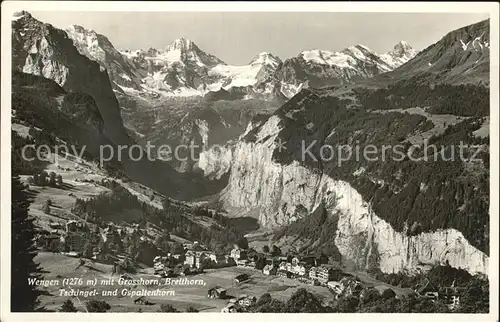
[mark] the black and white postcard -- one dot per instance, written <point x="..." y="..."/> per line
<point x="286" y="157"/>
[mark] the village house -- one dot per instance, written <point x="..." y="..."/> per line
<point x="269" y="270"/>
<point x="194" y="259"/>
<point x="217" y="292"/>
<point x="141" y="300"/>
<point x="238" y="253"/>
<point x="190" y="258"/>
<point x="454" y="302"/>
<point x="284" y="270"/>
<point x="159" y="264"/>
<point x="313" y="273"/>
<point x="350" y="286"/>
<point x="217" y="258"/>
<point x="176" y="257"/>
<point x="167" y="261"/>
<point x="335" y="286"/>
<point x="273" y="261"/>
<point x="246" y="301"/>
<point x="230" y="308"/>
<point x="451" y="295"/>
<point x="210" y="255"/>
<point x="300" y="269"/>
<point x="241" y="278"/>
<point x="71" y="226"/>
<point x="325" y="273"/>
<point x="74" y="241"/>
<point x="427" y="290"/>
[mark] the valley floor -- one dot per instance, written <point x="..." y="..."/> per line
<point x="59" y="267"/>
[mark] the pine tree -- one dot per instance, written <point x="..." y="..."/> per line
<point x="68" y="306"/>
<point x="97" y="306"/>
<point x="24" y="297"/>
<point x="88" y="251"/>
<point x="43" y="178"/>
<point x="46" y="208"/>
<point x="52" y="179"/>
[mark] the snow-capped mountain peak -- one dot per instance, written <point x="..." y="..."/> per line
<point x="91" y="44"/>
<point x="181" y="68"/>
<point x="265" y="58"/>
<point x="350" y="57"/>
<point x="183" y="44"/>
<point x="98" y="48"/>
<point x="20" y="14"/>
<point x="359" y="51"/>
<point x="400" y="54"/>
<point x="80" y="29"/>
<point x="321" y="67"/>
<point x="185" y="51"/>
<point x="402" y="49"/>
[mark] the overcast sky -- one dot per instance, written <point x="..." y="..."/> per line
<point x="236" y="37"/>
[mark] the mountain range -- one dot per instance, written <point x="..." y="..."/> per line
<point x="42" y="50"/>
<point x="393" y="216"/>
<point x="183" y="69"/>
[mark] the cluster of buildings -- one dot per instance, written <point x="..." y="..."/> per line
<point x="307" y="269"/>
<point x="236" y="304"/>
<point x="450" y="295"/>
<point x="345" y="286"/>
<point x="73" y="236"/>
<point x="194" y="258"/>
<point x="68" y="238"/>
<point x="205" y="259"/>
<point x="239" y="304"/>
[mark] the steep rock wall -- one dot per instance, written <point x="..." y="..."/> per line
<point x="257" y="181"/>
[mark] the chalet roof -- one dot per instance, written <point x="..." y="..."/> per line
<point x="218" y="289"/>
<point x="426" y="286"/>
<point x="242" y="275"/>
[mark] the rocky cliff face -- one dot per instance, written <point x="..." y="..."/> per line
<point x="279" y="190"/>
<point x="376" y="207"/>
<point x="41" y="49"/>
<point x="73" y="117"/>
<point x="316" y="68"/>
<point x="121" y="71"/>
